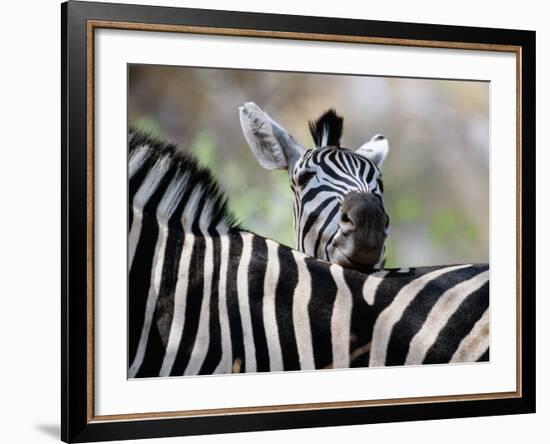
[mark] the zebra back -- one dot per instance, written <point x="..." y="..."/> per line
<point x="207" y="297"/>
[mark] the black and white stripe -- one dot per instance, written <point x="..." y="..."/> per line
<point x="338" y="208"/>
<point x="208" y="297"/>
<point x="317" y="202"/>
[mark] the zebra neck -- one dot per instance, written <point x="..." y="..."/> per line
<point x="239" y="302"/>
<point x="276" y="307"/>
<point x="169" y="190"/>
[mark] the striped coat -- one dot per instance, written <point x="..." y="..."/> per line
<point x="206" y="296"/>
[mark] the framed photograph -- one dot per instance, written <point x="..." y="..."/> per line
<point x="275" y="221"/>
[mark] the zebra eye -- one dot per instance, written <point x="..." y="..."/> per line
<point x="305" y="177"/>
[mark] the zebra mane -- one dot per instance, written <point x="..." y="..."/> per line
<point x="327" y="129"/>
<point x="191" y="196"/>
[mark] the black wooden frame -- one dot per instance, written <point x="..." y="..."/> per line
<point x="76" y="424"/>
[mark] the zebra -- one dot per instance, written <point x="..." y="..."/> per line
<point x="206" y="296"/>
<point x="339" y="213"/>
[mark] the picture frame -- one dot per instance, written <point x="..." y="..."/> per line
<point x="79" y="181"/>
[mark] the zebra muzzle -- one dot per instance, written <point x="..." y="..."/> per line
<point x="362" y="226"/>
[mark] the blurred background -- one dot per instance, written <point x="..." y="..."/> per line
<point x="436" y="176"/>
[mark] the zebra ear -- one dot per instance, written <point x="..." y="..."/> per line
<point x="375" y="149"/>
<point x="272" y="145"/>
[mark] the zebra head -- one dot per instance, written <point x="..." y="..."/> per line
<point x="339" y="214"/>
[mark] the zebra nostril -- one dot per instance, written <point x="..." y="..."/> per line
<point x="345" y="219"/>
